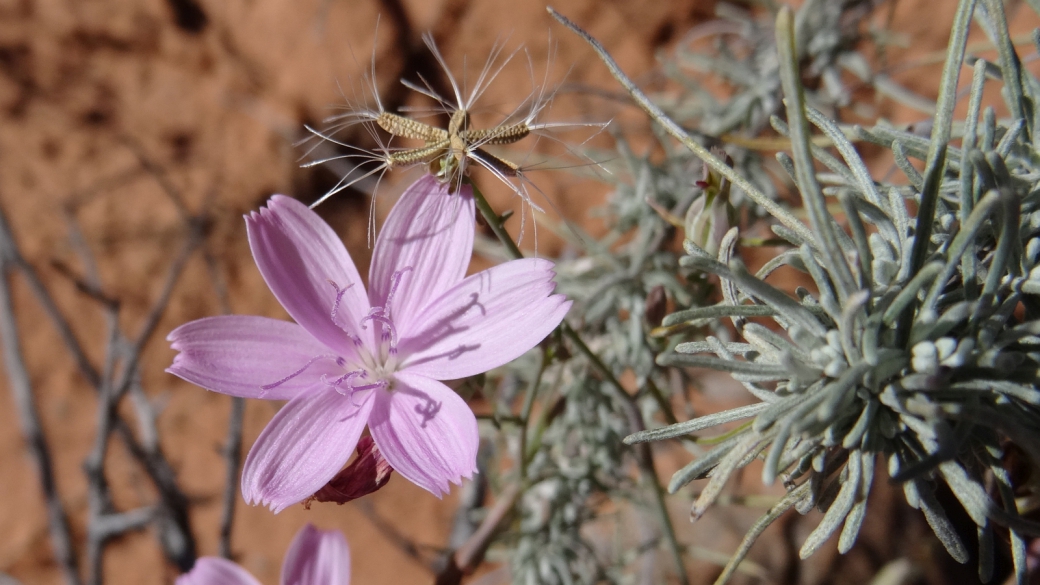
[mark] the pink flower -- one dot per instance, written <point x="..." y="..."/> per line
<point x="315" y="557"/>
<point x="353" y="358"/>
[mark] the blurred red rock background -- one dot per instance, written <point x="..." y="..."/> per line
<point x="111" y="111"/>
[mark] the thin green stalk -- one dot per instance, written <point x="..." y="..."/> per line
<point x="525" y="413"/>
<point x="786" y="503"/>
<point x="535" y="441"/>
<point x="496" y="222"/>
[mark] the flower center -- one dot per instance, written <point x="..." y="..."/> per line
<point x="376" y="365"/>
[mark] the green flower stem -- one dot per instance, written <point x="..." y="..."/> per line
<point x="496" y="222"/>
<point x="525" y="414"/>
<point x="627" y="402"/>
<point x="548" y="414"/>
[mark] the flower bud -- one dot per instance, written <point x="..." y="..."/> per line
<point x="708" y="218"/>
<point x="365" y="474"/>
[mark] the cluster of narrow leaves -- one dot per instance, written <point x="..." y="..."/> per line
<point x="918" y="353"/>
<point x="921" y="350"/>
<point x="739" y="49"/>
<point x="574" y="459"/>
<point x="620" y="284"/>
<point x="580" y="459"/>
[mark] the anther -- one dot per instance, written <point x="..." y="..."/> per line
<point x="389" y="331"/>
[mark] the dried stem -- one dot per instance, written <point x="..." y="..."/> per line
<point x="151" y="459"/>
<point x="120" y="375"/>
<point x="233" y="456"/>
<point x="32" y="431"/>
<point x="233" y="443"/>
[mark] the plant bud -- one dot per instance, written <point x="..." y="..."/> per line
<point x="708" y="218"/>
<point x="365" y="474"/>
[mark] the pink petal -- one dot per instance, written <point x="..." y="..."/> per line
<point x="429" y="235"/>
<point x="304" y="263"/>
<point x="239" y="355"/>
<point x="488" y="320"/>
<point x="426" y="432"/>
<point x="303" y="447"/>
<point x="216" y="571"/>
<point x="317" y="557"/>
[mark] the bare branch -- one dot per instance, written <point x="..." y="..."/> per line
<point x="32" y="431"/>
<point x="159" y="173"/>
<point x="233" y="443"/>
<point x="106" y="526"/>
<point x="14" y="259"/>
<point x="233" y="455"/>
<point x="98" y="501"/>
<point x="115" y="524"/>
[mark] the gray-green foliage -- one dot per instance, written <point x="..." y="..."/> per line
<point x="921" y="350"/>
<point x="579" y="458"/>
<point x="571" y="459"/>
<point x="743" y="56"/>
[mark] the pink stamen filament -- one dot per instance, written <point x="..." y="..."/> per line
<point x="395" y="280"/>
<point x="339" y="297"/>
<point x="349" y="378"/>
<point x="335" y="309"/>
<point x="267" y="387"/>
<point x="379" y="384"/>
